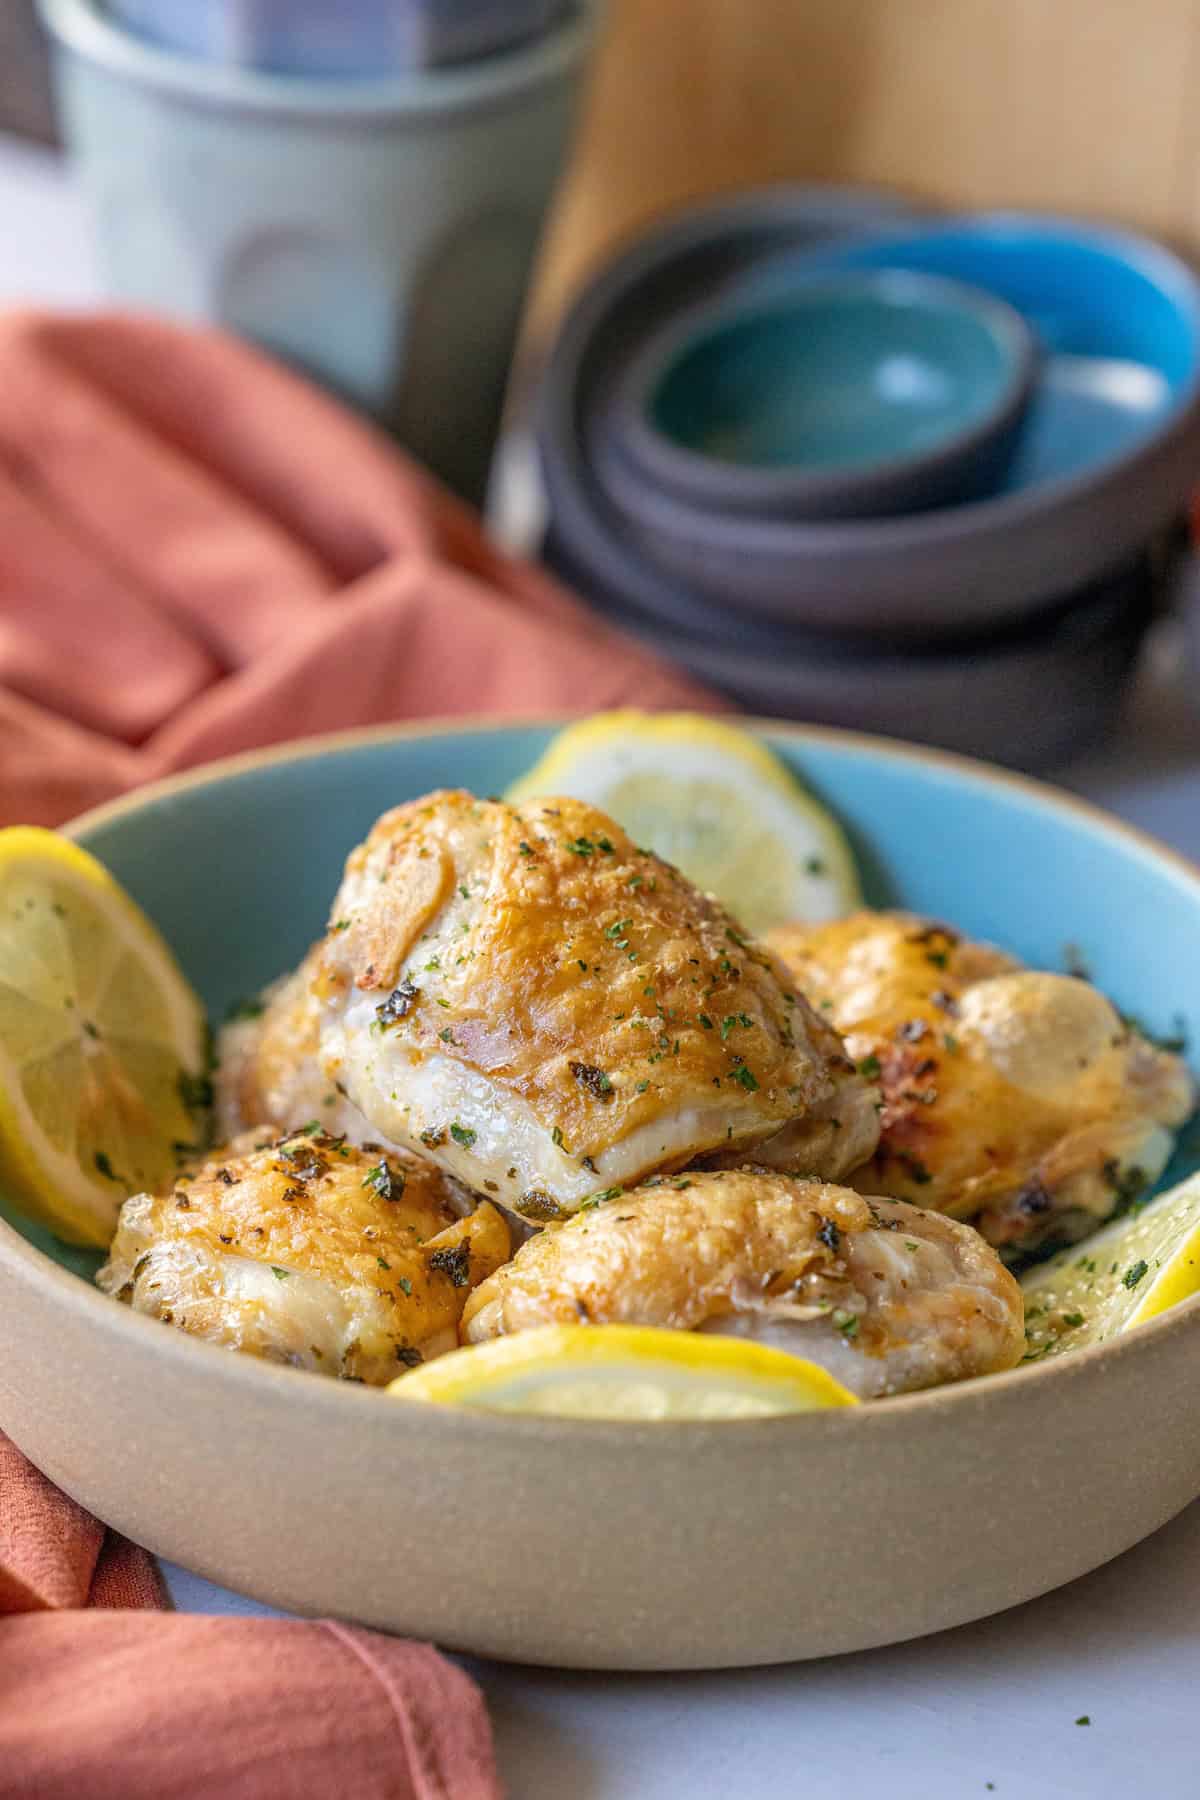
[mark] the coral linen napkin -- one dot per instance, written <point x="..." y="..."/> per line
<point x="123" y="1702"/>
<point x="201" y="554"/>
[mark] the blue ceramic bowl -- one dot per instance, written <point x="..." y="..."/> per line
<point x="319" y="1495"/>
<point x="851" y="395"/>
<point x="1109" y="453"/>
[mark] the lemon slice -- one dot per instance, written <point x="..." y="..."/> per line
<point x="625" y="1372"/>
<point x="715" y="802"/>
<point x="1119" y="1278"/>
<point x="102" y="1041"/>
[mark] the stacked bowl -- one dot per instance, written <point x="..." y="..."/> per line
<point x="860" y="465"/>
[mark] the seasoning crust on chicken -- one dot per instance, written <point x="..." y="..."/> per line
<point x="1014" y="1098"/>
<point x="885" y="1296"/>
<point x="268" y="1071"/>
<point x="548" y="1010"/>
<point x="309" y="1252"/>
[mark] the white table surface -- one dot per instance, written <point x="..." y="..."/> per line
<point x="990" y="1707"/>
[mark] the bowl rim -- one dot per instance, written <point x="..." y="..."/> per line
<point x="695" y="476"/>
<point x="81" y="27"/>
<point x="22" y="1261"/>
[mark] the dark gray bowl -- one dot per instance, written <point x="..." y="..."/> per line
<point x="950" y="571"/>
<point x="1029" y="697"/>
<point x="856" y="394"/>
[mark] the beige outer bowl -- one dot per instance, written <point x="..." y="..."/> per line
<point x="599" y="1546"/>
<point x="591" y="1545"/>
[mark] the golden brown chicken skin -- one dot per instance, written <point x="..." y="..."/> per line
<point x="309" y="1252"/>
<point x="1014" y="1098"/>
<point x="885" y="1296"/>
<point x="548" y="1010"/>
<point x="268" y="1071"/>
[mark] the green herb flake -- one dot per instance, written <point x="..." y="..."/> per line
<point x="462" y="1134"/>
<point x="556" y="1136"/>
<point x="404" y="1284"/>
<point x="1134" y="1274"/>
<point x="869" y="1068"/>
<point x="382" y="1264"/>
<point x="278" y="1273"/>
<point x="745" y="1079"/>
<point x="731" y="1021"/>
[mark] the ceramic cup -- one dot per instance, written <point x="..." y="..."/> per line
<point x="377" y="233"/>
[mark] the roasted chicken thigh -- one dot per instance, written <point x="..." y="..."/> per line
<point x="306" y="1251"/>
<point x="1014" y="1098"/>
<point x="885" y="1296"/>
<point x="549" y="1011"/>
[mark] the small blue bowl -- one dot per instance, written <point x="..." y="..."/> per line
<point x="854" y="395"/>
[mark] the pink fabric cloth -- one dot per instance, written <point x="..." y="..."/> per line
<point x="201" y="554"/>
<point x="104" y="1695"/>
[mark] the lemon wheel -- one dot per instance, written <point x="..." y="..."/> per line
<point x="624" y="1372"/>
<point x="714" y="801"/>
<point x="102" y="1041"/>
<point x="1131" y="1272"/>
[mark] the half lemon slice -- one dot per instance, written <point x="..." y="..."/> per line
<point x="1124" y="1275"/>
<point x="102" y="1041"/>
<point x="631" y="1372"/>
<point x="714" y="801"/>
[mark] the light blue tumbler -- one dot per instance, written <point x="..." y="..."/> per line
<point x="375" y="229"/>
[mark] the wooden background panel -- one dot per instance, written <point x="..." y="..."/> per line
<point x="1086" y="105"/>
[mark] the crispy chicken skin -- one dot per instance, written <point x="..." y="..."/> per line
<point x="885" y="1296"/>
<point x="309" y="1252"/>
<point x="267" y="1069"/>
<point x="1017" y="1099"/>
<point x="549" y="1011"/>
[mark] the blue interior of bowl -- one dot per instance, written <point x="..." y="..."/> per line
<point x="1117" y="319"/>
<point x="844" y="376"/>
<point x="239" y="872"/>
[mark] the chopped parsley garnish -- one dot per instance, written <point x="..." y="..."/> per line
<point x="950" y="1042"/>
<point x="556" y="1136"/>
<point x="581" y="846"/>
<point x="454" y="1262"/>
<point x="641" y="1087"/>
<point x="341" y="925"/>
<point x="829" y="1235"/>
<point x="524" y="848"/>
<point x="594" y="1080"/>
<point x="399" y="1003"/>
<point x="1073" y="1319"/>
<point x="599" y="1198"/>
<point x="1084" y="1719"/>
<point x="278" y="1273"/>
<point x="387" y="1182"/>
<point x="464" y="890"/>
<point x="1134" y="1273"/>
<point x="846" y="1322"/>
<point x="730" y="1021"/>
<point x="619" y="929"/>
<point x="446" y="1035"/>
<point x="815" y="865"/>
<point x="462" y="1134"/>
<point x="870" y="1067"/>
<point x="382" y="1263"/>
<point x="745" y="1079"/>
<point x="404" y="1284"/>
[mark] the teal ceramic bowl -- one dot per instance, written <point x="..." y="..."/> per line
<point x="593" y="1544"/>
<point x="853" y="395"/>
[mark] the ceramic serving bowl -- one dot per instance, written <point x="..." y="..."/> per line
<point x="592" y="1544"/>
<point x="1028" y="696"/>
<point x="847" y="395"/>
<point x="1106" y="458"/>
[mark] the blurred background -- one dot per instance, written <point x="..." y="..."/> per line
<point x="458" y="215"/>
